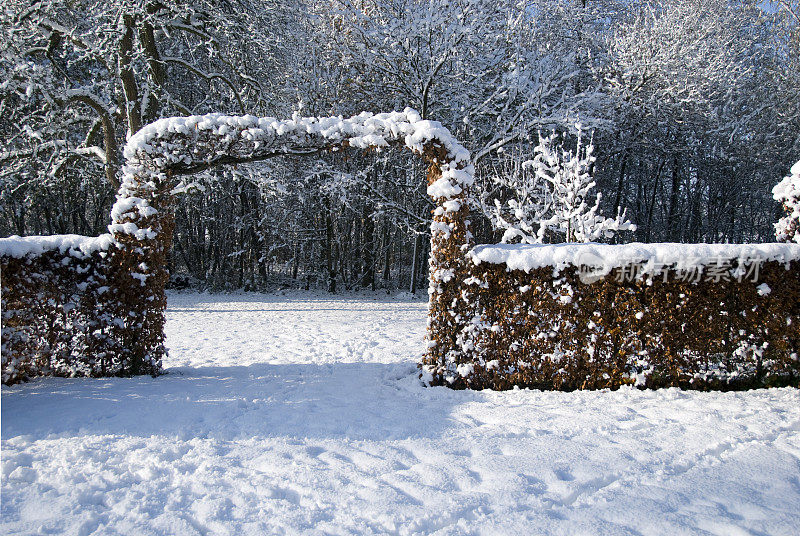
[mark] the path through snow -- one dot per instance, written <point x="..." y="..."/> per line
<point x="303" y="415"/>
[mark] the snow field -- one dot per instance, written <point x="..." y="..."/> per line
<point x="302" y="414"/>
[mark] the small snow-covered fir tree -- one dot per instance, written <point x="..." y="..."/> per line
<point x="529" y="200"/>
<point x="551" y="197"/>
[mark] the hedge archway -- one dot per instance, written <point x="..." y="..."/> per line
<point x="161" y="155"/>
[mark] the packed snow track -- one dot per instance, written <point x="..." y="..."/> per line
<point x="302" y="414"/>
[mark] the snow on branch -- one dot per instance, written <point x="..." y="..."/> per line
<point x="787" y="192"/>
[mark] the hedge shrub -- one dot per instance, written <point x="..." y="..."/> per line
<point x="550" y="328"/>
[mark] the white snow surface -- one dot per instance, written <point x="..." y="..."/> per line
<point x="606" y="257"/>
<point x="302" y="414"/>
<point x="21" y="246"/>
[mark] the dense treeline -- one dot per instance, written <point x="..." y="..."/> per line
<point x="694" y="105"/>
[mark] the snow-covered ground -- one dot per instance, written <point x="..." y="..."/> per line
<point x="303" y="415"/>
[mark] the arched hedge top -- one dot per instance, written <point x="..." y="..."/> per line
<point x="168" y="148"/>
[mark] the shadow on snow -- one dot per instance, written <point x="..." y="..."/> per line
<point x="361" y="401"/>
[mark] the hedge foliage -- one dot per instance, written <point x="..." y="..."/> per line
<point x="71" y="314"/>
<point x="547" y="329"/>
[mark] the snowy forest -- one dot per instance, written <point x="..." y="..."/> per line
<point x="692" y="108"/>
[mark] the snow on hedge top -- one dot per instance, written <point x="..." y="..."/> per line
<point x="183" y="143"/>
<point x="787" y="192"/>
<point x="77" y="245"/>
<point x="606" y="257"/>
<point x="361" y="131"/>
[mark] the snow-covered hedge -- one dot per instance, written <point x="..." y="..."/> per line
<point x="95" y="306"/>
<point x="576" y="316"/>
<point x="63" y="312"/>
<point x="541" y="316"/>
<point x="601" y="259"/>
<point x="160" y="157"/>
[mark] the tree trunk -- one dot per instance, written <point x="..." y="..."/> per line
<point x="329" y="249"/>
<point x="620" y="181"/>
<point x="367" y="243"/>
<point x="673" y="218"/>
<point x="650" y="208"/>
<point x="415" y="262"/>
<point x="387" y="253"/>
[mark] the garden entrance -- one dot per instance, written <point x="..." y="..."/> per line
<point x="95" y="305"/>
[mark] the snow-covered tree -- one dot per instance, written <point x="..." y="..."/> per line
<point x="551" y="197"/>
<point x="77" y="78"/>
<point x="527" y="199"/>
<point x="703" y="92"/>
